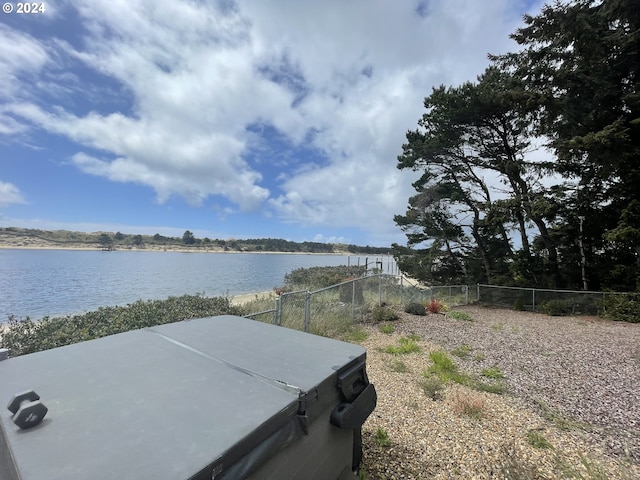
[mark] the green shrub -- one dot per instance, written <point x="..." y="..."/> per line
<point x="321" y="277"/>
<point x="383" y="314"/>
<point x="28" y="336"/>
<point x="519" y="305"/>
<point x="623" y="308"/>
<point x="415" y="308"/>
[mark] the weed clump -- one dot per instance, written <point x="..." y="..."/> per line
<point x="387" y="328"/>
<point x="432" y="387"/>
<point x="383" y="314"/>
<point x="382" y="437"/>
<point x="458" y="315"/>
<point x="462" y="351"/>
<point x="406" y="345"/>
<point x="537" y="440"/>
<point x="493" y="372"/>
<point x="444" y="368"/>
<point x="469" y="404"/>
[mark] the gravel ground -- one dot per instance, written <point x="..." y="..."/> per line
<point x="572" y="381"/>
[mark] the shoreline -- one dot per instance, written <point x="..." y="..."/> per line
<point x="172" y="249"/>
<point x="244" y="298"/>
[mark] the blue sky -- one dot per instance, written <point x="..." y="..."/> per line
<point x="233" y="119"/>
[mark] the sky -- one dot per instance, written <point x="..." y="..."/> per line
<point x="231" y="119"/>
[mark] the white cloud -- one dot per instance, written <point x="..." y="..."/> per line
<point x="10" y="194"/>
<point x="200" y="73"/>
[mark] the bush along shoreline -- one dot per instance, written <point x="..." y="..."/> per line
<point x="23" y="336"/>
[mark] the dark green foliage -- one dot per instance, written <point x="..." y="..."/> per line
<point x="28" y="336"/>
<point x="415" y="308"/>
<point x="575" y="82"/>
<point x="518" y="306"/>
<point x="320" y="277"/>
<point x="188" y="238"/>
<point x="383" y="314"/>
<point x="624" y="308"/>
<point x="105" y="241"/>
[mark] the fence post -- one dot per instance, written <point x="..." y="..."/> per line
<point x="533" y="298"/>
<point x="353" y="300"/>
<point x="277" y="312"/>
<point x="466" y="295"/>
<point x="478" y="292"/>
<point x="380" y="290"/>
<point x="307" y="311"/>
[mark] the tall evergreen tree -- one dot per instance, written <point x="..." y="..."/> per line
<point x="580" y="64"/>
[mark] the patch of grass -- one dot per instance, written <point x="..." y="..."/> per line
<point x="406" y="346"/>
<point x="537" y="440"/>
<point x="478" y="357"/>
<point x="462" y="351"/>
<point x="497" y="327"/>
<point x="458" y="315"/>
<point x="493" y="372"/>
<point x="445" y="368"/>
<point x="355" y="334"/>
<point x="387" y="328"/>
<point x="382" y="437"/>
<point x="398" y="366"/>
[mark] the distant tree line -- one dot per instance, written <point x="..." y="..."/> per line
<point x="485" y="209"/>
<point x="111" y="241"/>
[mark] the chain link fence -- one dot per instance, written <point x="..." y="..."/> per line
<point x="328" y="309"/>
<point x="552" y="302"/>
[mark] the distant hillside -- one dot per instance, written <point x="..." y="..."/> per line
<point x="13" y="237"/>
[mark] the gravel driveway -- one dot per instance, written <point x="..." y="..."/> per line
<point x="574" y="381"/>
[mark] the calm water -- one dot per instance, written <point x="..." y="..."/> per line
<point x="37" y="283"/>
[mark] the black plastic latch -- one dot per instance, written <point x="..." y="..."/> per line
<point x="352" y="415"/>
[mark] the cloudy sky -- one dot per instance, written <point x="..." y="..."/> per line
<point x="233" y="119"/>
